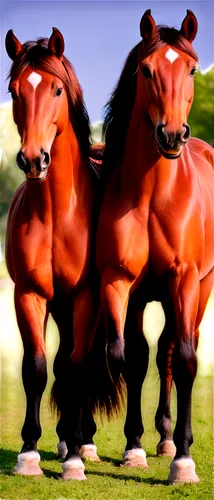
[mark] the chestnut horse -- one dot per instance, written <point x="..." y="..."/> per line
<point x="51" y="227"/>
<point x="155" y="232"/>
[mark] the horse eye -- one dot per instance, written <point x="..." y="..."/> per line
<point x="59" y="91"/>
<point x="192" y="72"/>
<point x="146" y="72"/>
<point x="13" y="95"/>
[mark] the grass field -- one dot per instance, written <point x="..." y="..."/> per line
<point x="105" y="480"/>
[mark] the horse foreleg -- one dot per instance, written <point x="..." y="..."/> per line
<point x="31" y="311"/>
<point x="185" y="290"/>
<point x="114" y="295"/>
<point x="136" y="364"/>
<point x="166" y="445"/>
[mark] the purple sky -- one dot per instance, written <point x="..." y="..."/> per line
<point x="98" y="36"/>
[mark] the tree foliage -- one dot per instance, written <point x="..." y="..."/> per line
<point x="201" y="121"/>
<point x="10" y="175"/>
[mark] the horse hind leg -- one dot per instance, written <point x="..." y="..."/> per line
<point x="57" y="396"/>
<point x="31" y="313"/>
<point x="166" y="445"/>
<point x="84" y="321"/>
<point x="88" y="450"/>
<point x="59" y="309"/>
<point x="136" y="364"/>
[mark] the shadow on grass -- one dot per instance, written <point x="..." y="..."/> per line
<point x="117" y="461"/>
<point x="114" y="461"/>
<point x="51" y="474"/>
<point x="8" y="460"/>
<point x="123" y="477"/>
<point x="48" y="455"/>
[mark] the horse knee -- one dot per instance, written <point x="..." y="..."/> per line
<point x="184" y="362"/>
<point x="34" y="371"/>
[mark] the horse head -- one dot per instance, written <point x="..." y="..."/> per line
<point x="40" y="104"/>
<point x="167" y="63"/>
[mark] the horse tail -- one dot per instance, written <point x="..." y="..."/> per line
<point x="107" y="385"/>
<point x="55" y="399"/>
<point x="58" y="392"/>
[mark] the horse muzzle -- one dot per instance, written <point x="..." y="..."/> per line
<point x="170" y="144"/>
<point x="36" y="168"/>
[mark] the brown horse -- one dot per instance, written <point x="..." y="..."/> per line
<point x="155" y="233"/>
<point x="51" y="226"/>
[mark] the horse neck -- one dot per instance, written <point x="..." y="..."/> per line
<point x="142" y="159"/>
<point x="64" y="179"/>
<point x="66" y="165"/>
<point x="140" y="141"/>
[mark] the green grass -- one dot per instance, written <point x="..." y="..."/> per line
<point x="106" y="480"/>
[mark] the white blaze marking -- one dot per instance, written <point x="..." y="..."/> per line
<point x="34" y="79"/>
<point x="171" y="55"/>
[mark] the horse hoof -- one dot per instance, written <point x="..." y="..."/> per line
<point x="89" y="452"/>
<point x="135" y="458"/>
<point x="166" y="448"/>
<point x="73" y="469"/>
<point x="182" y="470"/>
<point x="28" y="464"/>
<point x="62" y="449"/>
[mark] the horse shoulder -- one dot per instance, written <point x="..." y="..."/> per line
<point x="28" y="247"/>
<point x="16" y="199"/>
<point x="15" y="203"/>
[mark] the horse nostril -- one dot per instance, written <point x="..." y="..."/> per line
<point x="161" y="134"/>
<point x="21" y="160"/>
<point x="186" y="134"/>
<point x="46" y="157"/>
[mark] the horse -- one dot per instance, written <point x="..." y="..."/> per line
<point x="157" y="216"/>
<point x="49" y="248"/>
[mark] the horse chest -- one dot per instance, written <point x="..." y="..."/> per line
<point x="70" y="252"/>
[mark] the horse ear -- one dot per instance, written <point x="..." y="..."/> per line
<point x="147" y="25"/>
<point x="13" y="45"/>
<point x="56" y="43"/>
<point x="189" y="26"/>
